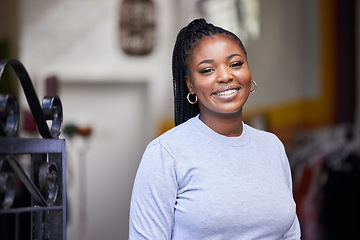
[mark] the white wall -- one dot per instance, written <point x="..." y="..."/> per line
<point x="78" y="39"/>
<point x="284" y="60"/>
<point x="101" y="168"/>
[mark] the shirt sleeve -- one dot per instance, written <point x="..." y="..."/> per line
<point x="294" y="233"/>
<point x="154" y="196"/>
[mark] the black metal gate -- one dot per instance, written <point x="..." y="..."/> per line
<point x="32" y="170"/>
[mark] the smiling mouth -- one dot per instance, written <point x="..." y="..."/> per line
<point x="226" y="93"/>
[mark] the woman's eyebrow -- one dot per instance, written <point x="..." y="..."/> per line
<point x="211" y="60"/>
<point x="206" y="61"/>
<point x="233" y="55"/>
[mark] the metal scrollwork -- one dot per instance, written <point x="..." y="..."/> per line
<point x="52" y="108"/>
<point x="7" y="190"/>
<point x="32" y="169"/>
<point x="48" y="181"/>
<point x="9" y="115"/>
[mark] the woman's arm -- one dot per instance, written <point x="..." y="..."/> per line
<point x="154" y="196"/>
<point x="294" y="232"/>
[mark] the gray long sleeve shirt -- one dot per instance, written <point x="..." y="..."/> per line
<point x="193" y="183"/>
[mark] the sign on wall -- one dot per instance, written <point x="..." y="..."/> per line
<point x="137" y="26"/>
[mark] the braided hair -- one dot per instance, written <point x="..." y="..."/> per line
<point x="185" y="42"/>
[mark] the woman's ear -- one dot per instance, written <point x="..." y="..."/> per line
<point x="188" y="83"/>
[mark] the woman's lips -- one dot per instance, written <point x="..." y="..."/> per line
<point x="226" y="94"/>
<point x="226" y="90"/>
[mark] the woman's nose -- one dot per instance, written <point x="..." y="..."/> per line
<point x="224" y="74"/>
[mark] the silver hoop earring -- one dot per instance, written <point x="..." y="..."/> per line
<point x="188" y="98"/>
<point x="255" y="86"/>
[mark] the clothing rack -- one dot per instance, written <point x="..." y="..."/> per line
<point x="326" y="174"/>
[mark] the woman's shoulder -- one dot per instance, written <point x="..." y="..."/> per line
<point x="262" y="134"/>
<point x="175" y="134"/>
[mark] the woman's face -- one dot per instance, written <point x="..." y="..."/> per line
<point x="219" y="75"/>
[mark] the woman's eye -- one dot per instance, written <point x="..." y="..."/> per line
<point x="205" y="70"/>
<point x="237" y="64"/>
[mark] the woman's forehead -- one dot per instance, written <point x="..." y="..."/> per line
<point x="211" y="44"/>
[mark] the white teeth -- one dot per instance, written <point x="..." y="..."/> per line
<point x="228" y="92"/>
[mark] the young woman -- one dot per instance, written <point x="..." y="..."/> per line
<point x="212" y="176"/>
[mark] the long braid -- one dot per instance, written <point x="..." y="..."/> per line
<point x="185" y="42"/>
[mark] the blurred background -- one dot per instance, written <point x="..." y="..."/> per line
<point x="110" y="63"/>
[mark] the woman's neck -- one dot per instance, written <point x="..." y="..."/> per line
<point x="227" y="125"/>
